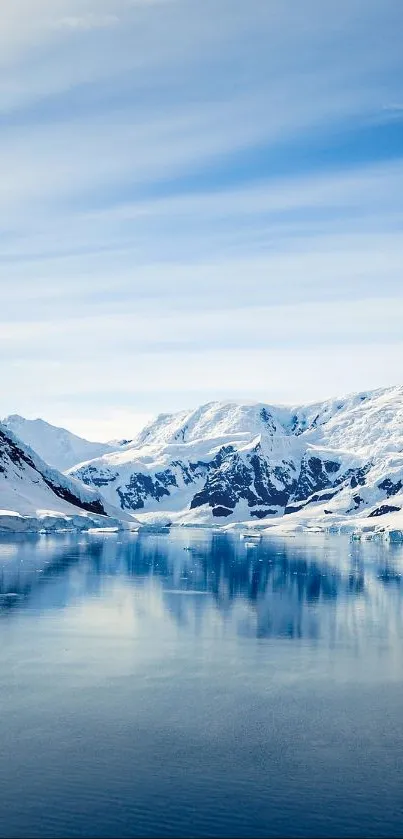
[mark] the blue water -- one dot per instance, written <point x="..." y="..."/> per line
<point x="228" y="690"/>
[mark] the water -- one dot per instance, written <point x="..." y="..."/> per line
<point x="228" y="690"/>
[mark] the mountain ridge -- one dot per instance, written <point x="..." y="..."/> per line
<point x="34" y="495"/>
<point x="323" y="464"/>
<point x="57" y="446"/>
<point x="340" y="457"/>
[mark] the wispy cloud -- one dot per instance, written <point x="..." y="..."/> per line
<point x="207" y="192"/>
<point x="90" y="21"/>
<point x="393" y="111"/>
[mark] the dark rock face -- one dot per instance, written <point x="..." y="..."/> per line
<point x="261" y="514"/>
<point x="266" y="491"/>
<point x="314" y="476"/>
<point x="226" y="479"/>
<point x="10" y="450"/>
<point x="166" y="479"/>
<point x="191" y="471"/>
<point x="141" y="487"/>
<point x="92" y="477"/>
<point x="300" y="424"/>
<point x="231" y="479"/>
<point x="268" y="420"/>
<point x="90" y="506"/>
<point x="222" y="511"/>
<point x="180" y="435"/>
<point x="357" y="477"/>
<point x="390" y="488"/>
<point x="384" y="508"/>
<point x="237" y="476"/>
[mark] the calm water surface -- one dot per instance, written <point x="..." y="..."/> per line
<point x="194" y="685"/>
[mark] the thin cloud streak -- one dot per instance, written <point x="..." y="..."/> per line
<point x="216" y="208"/>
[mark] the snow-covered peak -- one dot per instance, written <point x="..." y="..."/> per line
<point x="211" y="421"/>
<point x="32" y="492"/>
<point x="343" y="417"/>
<point x="366" y="423"/>
<point x="339" y="458"/>
<point x="226" y="460"/>
<point x="56" y="446"/>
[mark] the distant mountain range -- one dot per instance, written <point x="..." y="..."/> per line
<point x="328" y="465"/>
<point x="57" y="446"/>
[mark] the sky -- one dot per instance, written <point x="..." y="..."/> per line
<point x="199" y="200"/>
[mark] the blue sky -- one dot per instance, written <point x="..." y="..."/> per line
<point x="199" y="199"/>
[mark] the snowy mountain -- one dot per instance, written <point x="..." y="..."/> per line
<point x="332" y="462"/>
<point x="56" y="446"/>
<point x="33" y="495"/>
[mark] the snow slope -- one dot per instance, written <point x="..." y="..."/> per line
<point x="33" y="495"/>
<point x="56" y="446"/>
<point x="336" y="461"/>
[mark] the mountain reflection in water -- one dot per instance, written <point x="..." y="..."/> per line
<point x="192" y="684"/>
<point x="323" y="587"/>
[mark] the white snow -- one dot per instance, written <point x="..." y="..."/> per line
<point x="29" y="498"/>
<point x="361" y="430"/>
<point x="56" y="446"/>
